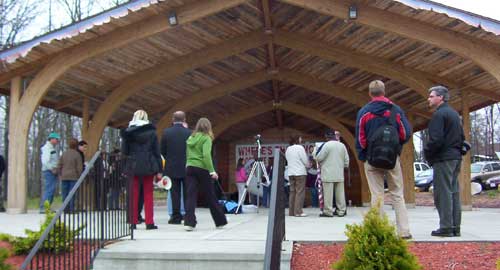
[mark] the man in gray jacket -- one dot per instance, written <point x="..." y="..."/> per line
<point x="50" y="158"/>
<point x="333" y="158"/>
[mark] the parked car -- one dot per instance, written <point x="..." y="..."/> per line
<point x="423" y="180"/>
<point x="419" y="167"/>
<point x="484" y="170"/>
<point x="492" y="183"/>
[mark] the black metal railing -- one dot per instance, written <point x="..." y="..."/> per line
<point x="276" y="221"/>
<point x="93" y="214"/>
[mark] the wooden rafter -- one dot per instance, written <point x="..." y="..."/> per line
<point x="206" y="95"/>
<point x="169" y="70"/>
<point x="271" y="56"/>
<point x="483" y="53"/>
<point x="310" y="45"/>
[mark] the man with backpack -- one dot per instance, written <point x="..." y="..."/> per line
<point x="381" y="131"/>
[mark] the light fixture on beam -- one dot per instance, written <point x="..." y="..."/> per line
<point x="172" y="18"/>
<point x="353" y="12"/>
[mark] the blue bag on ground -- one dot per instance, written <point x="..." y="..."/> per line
<point x="229" y="206"/>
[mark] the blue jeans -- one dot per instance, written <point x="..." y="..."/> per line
<point x="66" y="187"/>
<point x="314" y="196"/>
<point x="169" y="203"/>
<point x="49" y="188"/>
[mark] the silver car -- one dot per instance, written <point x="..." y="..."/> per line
<point x="482" y="171"/>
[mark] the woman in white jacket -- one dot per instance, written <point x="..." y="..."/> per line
<point x="297" y="160"/>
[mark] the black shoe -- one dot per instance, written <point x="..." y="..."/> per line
<point x="324" y="215"/>
<point x="174" y="221"/>
<point x="456" y="232"/>
<point x="140" y="220"/>
<point x="407" y="237"/>
<point x="151" y="227"/>
<point x="442" y="233"/>
<point x="133" y="226"/>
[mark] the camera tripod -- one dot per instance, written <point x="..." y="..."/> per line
<point x="258" y="170"/>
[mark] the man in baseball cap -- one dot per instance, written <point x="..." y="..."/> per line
<point x="50" y="157"/>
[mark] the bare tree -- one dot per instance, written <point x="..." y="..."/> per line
<point x="15" y="17"/>
<point x="77" y="9"/>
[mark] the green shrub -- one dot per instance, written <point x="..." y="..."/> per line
<point x="498" y="264"/>
<point x="492" y="193"/>
<point x="4" y="254"/>
<point x="374" y="244"/>
<point x="60" y="239"/>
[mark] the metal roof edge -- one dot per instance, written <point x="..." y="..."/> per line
<point x="12" y="54"/>
<point x="485" y="23"/>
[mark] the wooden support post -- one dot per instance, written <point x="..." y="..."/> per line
<point x="17" y="188"/>
<point x="407" y="159"/>
<point x="465" y="179"/>
<point x="85" y="118"/>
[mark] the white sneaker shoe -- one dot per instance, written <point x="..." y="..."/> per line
<point x="302" y="215"/>
<point x="188" y="228"/>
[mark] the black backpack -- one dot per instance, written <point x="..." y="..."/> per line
<point x="383" y="144"/>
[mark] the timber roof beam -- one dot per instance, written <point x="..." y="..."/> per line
<point x="482" y="53"/>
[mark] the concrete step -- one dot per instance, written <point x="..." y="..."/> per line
<point x="187" y="255"/>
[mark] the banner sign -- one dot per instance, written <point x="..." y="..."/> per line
<point x="249" y="151"/>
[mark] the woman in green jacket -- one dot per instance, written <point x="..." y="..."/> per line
<point x="200" y="173"/>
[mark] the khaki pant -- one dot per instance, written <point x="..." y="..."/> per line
<point x="328" y="189"/>
<point x="375" y="178"/>
<point x="297" y="193"/>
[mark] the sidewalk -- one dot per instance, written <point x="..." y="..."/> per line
<point x="481" y="224"/>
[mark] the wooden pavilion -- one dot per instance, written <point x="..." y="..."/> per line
<point x="252" y="66"/>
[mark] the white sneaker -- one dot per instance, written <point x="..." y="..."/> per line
<point x="221" y="226"/>
<point x="188" y="228"/>
<point x="302" y="215"/>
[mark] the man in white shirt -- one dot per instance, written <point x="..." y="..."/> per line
<point x="333" y="158"/>
<point x="297" y="160"/>
<point x="50" y="158"/>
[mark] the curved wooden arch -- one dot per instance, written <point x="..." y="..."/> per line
<point x="136" y="82"/>
<point x="295" y="78"/>
<point x="309" y="113"/>
<point x="24" y="105"/>
<point x="416" y="80"/>
<point x="482" y="53"/>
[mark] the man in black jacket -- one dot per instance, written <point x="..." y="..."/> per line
<point x="173" y="149"/>
<point x="442" y="151"/>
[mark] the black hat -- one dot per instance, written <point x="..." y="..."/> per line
<point x="330" y="133"/>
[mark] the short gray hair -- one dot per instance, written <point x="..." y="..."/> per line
<point x="376" y="88"/>
<point x="441" y="91"/>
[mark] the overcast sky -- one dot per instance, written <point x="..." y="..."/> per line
<point x="488" y="8"/>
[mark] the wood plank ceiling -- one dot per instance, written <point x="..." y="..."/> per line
<point x="313" y="60"/>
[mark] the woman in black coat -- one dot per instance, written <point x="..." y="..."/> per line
<point x="140" y="144"/>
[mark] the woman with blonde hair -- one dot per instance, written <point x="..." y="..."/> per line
<point x="200" y="172"/>
<point x="140" y="145"/>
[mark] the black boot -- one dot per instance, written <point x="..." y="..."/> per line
<point x="442" y="232"/>
<point x="151" y="227"/>
<point x="456" y="232"/>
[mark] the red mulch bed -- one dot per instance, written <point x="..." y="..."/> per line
<point x="56" y="262"/>
<point x="432" y="256"/>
